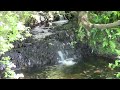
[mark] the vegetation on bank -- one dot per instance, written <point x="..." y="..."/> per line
<point x="105" y="39"/>
<point x="11" y="29"/>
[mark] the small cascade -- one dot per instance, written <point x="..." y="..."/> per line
<point x="65" y="61"/>
<point x="61" y="17"/>
<point x="61" y="55"/>
<point x="60" y="22"/>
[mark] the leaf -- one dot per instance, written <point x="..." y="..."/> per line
<point x="118" y="75"/>
<point x="107" y="31"/>
<point x="117" y="34"/>
<point x="6" y="58"/>
<point x="115" y="12"/>
<point x="105" y="43"/>
<point x="110" y="65"/>
<point x="112" y="44"/>
<point x="117" y="62"/>
<point x="117" y="51"/>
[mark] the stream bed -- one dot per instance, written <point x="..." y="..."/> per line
<point x="90" y="68"/>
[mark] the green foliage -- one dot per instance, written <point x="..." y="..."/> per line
<point x="11" y="29"/>
<point x="116" y="65"/>
<point x="113" y="66"/>
<point x="118" y="75"/>
<point x="73" y="43"/>
<point x="106" y="40"/>
<point x="81" y="33"/>
<point x="8" y="73"/>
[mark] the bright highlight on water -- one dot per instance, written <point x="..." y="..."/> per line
<point x="67" y="62"/>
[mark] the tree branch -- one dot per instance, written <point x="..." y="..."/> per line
<point x="105" y="26"/>
<point x="83" y="19"/>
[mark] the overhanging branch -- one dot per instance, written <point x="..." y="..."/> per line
<point x="105" y="26"/>
<point x="83" y="18"/>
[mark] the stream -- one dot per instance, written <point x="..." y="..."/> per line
<point x="48" y="54"/>
<point x="90" y="68"/>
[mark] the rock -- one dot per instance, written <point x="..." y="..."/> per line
<point x="2" y="67"/>
<point x="18" y="76"/>
<point x="41" y="49"/>
<point x="98" y="71"/>
<point x="41" y="52"/>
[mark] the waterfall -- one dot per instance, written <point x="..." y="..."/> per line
<point x="61" y="55"/>
<point x="61" y="17"/>
<point x="65" y="61"/>
<point x="59" y="23"/>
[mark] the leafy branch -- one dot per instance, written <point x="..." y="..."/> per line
<point x="83" y="19"/>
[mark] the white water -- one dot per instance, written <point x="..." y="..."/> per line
<point x="68" y="61"/>
<point x="60" y="23"/>
<point x="61" y="55"/>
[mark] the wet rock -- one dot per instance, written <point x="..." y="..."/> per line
<point x="2" y="67"/>
<point x="38" y="55"/>
<point x="41" y="49"/>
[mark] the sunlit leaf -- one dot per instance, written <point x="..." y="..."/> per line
<point x="118" y="75"/>
<point x="105" y="43"/>
<point x="112" y="44"/>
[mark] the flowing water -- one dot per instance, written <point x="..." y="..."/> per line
<point x="65" y="61"/>
<point x="90" y="68"/>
